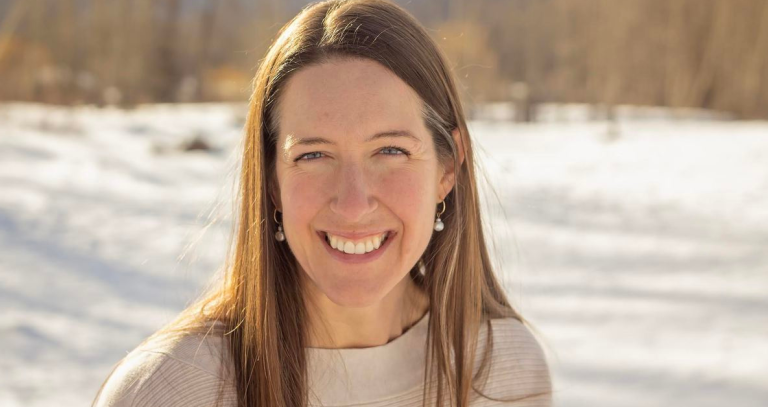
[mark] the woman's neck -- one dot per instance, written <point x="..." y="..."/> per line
<point x="333" y="327"/>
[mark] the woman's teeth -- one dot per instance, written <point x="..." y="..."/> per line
<point x="356" y="246"/>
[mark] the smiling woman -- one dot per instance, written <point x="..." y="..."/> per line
<point x="359" y="273"/>
<point x="358" y="187"/>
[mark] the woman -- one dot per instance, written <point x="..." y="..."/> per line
<point x="359" y="273"/>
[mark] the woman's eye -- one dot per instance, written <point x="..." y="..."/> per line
<point x="310" y="156"/>
<point x="391" y="150"/>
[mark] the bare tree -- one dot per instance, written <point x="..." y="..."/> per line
<point x="679" y="53"/>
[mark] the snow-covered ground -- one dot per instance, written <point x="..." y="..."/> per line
<point x="641" y="260"/>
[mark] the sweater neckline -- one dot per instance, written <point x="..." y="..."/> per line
<point x="358" y="375"/>
<point x="403" y="337"/>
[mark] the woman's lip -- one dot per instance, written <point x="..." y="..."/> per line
<point x="354" y="236"/>
<point x="357" y="258"/>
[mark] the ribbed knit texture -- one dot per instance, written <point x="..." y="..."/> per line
<point x="189" y="372"/>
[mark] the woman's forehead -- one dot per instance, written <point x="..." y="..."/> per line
<point x="349" y="96"/>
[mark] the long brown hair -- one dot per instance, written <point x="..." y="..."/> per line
<point x="259" y="299"/>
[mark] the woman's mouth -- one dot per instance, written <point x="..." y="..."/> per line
<point x="356" y="246"/>
<point x="356" y="250"/>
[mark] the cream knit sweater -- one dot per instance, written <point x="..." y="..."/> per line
<point x="188" y="372"/>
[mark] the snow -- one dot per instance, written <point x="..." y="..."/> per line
<point x="640" y="260"/>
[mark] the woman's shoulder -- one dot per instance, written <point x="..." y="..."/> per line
<point x="517" y="365"/>
<point x="513" y="336"/>
<point x="185" y="370"/>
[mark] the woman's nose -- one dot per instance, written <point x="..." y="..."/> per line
<point x="353" y="200"/>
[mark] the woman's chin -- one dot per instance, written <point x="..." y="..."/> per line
<point x="355" y="296"/>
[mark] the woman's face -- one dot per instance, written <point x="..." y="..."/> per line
<point x="355" y="162"/>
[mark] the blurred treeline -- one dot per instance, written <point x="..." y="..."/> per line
<point x="681" y="53"/>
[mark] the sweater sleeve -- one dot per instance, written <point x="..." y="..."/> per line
<point x="519" y="369"/>
<point x="149" y="378"/>
<point x="127" y="379"/>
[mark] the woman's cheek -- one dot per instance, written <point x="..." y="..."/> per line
<point x="406" y="187"/>
<point x="302" y="195"/>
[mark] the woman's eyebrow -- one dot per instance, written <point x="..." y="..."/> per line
<point x="394" y="133"/>
<point x="291" y="140"/>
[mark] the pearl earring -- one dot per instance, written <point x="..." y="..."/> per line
<point x="439" y="225"/>
<point x="279" y="235"/>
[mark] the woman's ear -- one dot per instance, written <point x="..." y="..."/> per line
<point x="276" y="202"/>
<point x="448" y="179"/>
<point x="274" y="194"/>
